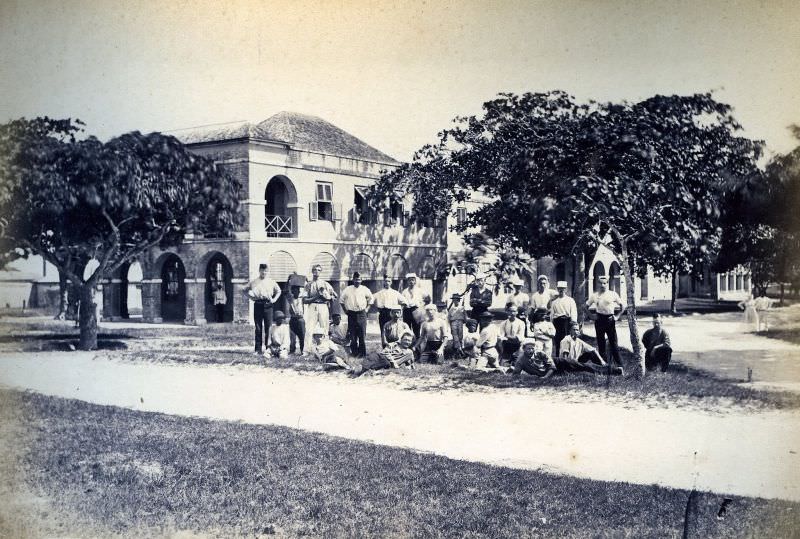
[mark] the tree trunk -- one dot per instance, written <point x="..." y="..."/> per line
<point x="63" y="291"/>
<point x="782" y="293"/>
<point x="88" y="317"/>
<point x="633" y="326"/>
<point x="675" y="289"/>
<point x="579" y="284"/>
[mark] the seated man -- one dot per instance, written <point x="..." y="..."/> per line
<point x="321" y="348"/>
<point x="395" y="327"/>
<point x="533" y="360"/>
<point x="469" y="339"/>
<point x="393" y="356"/>
<point x="512" y="333"/>
<point x="434" y="334"/>
<point x="577" y="356"/>
<point x="279" y="338"/>
<point x="339" y="333"/>
<point x="488" y="357"/>
<point x="543" y="331"/>
<point x="658" y="349"/>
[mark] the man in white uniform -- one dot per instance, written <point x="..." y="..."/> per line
<point x="384" y="299"/>
<point x="356" y="300"/>
<point x="319" y="293"/>
<point x="563" y="311"/>
<point x="414" y="298"/>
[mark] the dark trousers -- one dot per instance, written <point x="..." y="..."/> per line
<point x="658" y="357"/>
<point x="510" y="347"/>
<point x="262" y="313"/>
<point x="384" y="315"/>
<point x="297" y="327"/>
<point x="357" y="328"/>
<point x="606" y="328"/>
<point x="561" y="324"/>
<point x="219" y="308"/>
<point x="477" y="311"/>
<point x="408" y="318"/>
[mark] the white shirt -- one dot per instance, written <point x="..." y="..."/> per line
<point x="324" y="346"/>
<point x="488" y="337"/>
<point x="605" y="301"/>
<point x="388" y="296"/>
<point x="520" y="300"/>
<point x="564" y="307"/>
<point x="260" y="289"/>
<point x="541" y="300"/>
<point x="414" y="297"/>
<point x="356" y="298"/>
<point x="574" y="348"/>
<point x="279" y="335"/>
<point x="763" y="303"/>
<point x="319" y="290"/>
<point x="515" y="329"/>
<point x="544" y="332"/>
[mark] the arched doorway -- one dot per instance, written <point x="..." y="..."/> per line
<point x="130" y="290"/>
<point x="173" y="290"/>
<point x="363" y="264"/>
<point x="219" y="289"/>
<point x="280" y="210"/>
<point x="330" y="269"/>
<point x="614" y="282"/>
<point x="396" y="269"/>
<point x="598" y="271"/>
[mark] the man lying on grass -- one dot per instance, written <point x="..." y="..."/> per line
<point x="533" y="360"/>
<point x="393" y="356"/>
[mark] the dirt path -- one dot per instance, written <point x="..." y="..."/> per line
<point x="753" y="454"/>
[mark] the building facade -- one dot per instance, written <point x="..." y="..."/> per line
<point x="305" y="181"/>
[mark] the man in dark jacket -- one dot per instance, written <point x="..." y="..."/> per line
<point x="658" y="349"/>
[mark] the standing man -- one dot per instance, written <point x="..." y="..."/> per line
<point x="657" y="346"/>
<point x="297" y="323"/>
<point x="386" y="298"/>
<point x="414" y="298"/>
<point x="319" y="293"/>
<point x="519" y="298"/>
<point x="563" y="312"/>
<point x="434" y="336"/>
<point x="544" y="295"/>
<point x="608" y="306"/>
<point x="263" y="292"/>
<point x="480" y="297"/>
<point x="356" y="300"/>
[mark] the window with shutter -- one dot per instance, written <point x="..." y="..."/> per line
<point x="312" y="211"/>
<point x="337" y="213"/>
<point x="324" y="202"/>
<point x="461" y="216"/>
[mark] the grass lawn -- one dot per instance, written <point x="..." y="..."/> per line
<point x="230" y="344"/>
<point x="73" y="468"/>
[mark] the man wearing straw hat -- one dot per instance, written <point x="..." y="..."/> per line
<point x="563" y="311"/>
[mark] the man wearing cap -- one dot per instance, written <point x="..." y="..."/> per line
<point x="658" y="348"/>
<point x="606" y="303"/>
<point x="456" y="317"/>
<point x="393" y="356"/>
<point x="356" y="300"/>
<point x="519" y="298"/>
<point x="415" y="298"/>
<point x="533" y="360"/>
<point x="512" y="332"/>
<point x="263" y="292"/>
<point x="279" y="337"/>
<point x="319" y="294"/>
<point x="563" y="311"/>
<point x="480" y="296"/>
<point x="433" y="336"/>
<point x="321" y="347"/>
<point x="395" y="327"/>
<point x="384" y="299"/>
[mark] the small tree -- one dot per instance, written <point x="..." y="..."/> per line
<point x="562" y="177"/>
<point x="71" y="200"/>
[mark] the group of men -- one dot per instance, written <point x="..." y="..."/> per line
<point x="540" y="334"/>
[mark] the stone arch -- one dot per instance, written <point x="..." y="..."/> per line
<point x="281" y="265"/>
<point x="363" y="264"/>
<point x="614" y="281"/>
<point x="598" y="270"/>
<point x="330" y="267"/>
<point x="218" y="275"/>
<point x="427" y="269"/>
<point x="130" y="289"/>
<point x="173" y="287"/>
<point x="280" y="208"/>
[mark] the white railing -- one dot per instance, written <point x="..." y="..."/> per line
<point x="278" y="226"/>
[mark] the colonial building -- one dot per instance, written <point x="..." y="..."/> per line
<point x="305" y="181"/>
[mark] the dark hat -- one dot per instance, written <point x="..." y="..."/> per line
<point x="471" y="321"/>
<point x="455" y="296"/>
<point x="278" y="315"/>
<point x="262" y="266"/>
<point x="356" y="275"/>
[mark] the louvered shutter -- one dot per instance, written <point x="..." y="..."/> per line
<point x="312" y="211"/>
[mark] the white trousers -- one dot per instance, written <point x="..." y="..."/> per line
<point x="317" y="316"/>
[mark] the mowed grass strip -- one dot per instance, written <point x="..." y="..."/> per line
<point x="147" y="474"/>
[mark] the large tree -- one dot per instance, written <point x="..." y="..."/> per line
<point x="564" y="177"/>
<point x="762" y="227"/>
<point x="71" y="200"/>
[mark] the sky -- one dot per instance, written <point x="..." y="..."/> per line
<point x="393" y="73"/>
